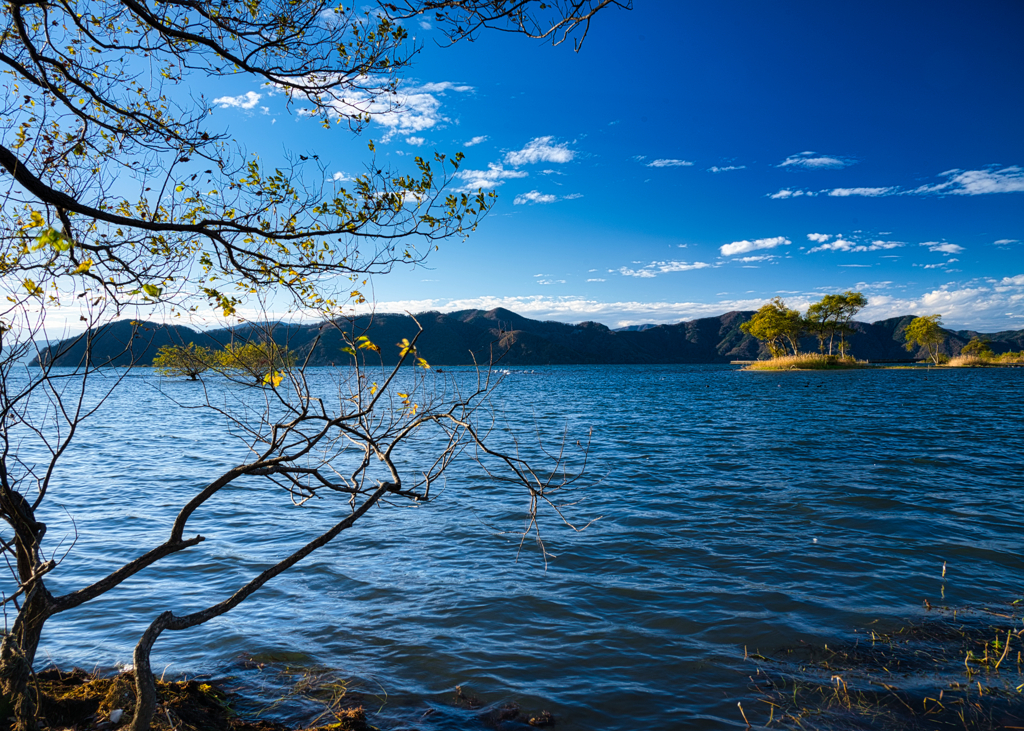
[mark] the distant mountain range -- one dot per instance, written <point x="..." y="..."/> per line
<point x="457" y="338"/>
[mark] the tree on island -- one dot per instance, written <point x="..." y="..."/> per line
<point x="977" y="348"/>
<point x="776" y="325"/>
<point x="184" y="360"/>
<point x="832" y="315"/>
<point x="120" y="197"/>
<point x="925" y="332"/>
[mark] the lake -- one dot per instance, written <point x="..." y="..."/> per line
<point x="737" y="510"/>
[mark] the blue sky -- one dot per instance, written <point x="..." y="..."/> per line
<point x="697" y="158"/>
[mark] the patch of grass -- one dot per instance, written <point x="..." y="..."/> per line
<point x="82" y="700"/>
<point x="956" y="669"/>
<point x="806" y="362"/>
<point x="975" y="361"/>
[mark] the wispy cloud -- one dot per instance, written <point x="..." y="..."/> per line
<point x="1006" y="242"/>
<point x="751" y="259"/>
<point x="943" y="247"/>
<point x="977" y="182"/>
<point x="743" y="247"/>
<point x="541" y="149"/>
<point x="534" y="196"/>
<point x="841" y="244"/>
<point x="248" y="100"/>
<point x="661" y="267"/>
<point x="727" y="168"/>
<point x="864" y="192"/>
<point x="415" y="141"/>
<point x="488" y="179"/>
<point x="597" y="279"/>
<point x="940" y="265"/>
<point x="789" y="193"/>
<point x="475" y="141"/>
<point x="668" y="163"/>
<point x="814" y="161"/>
<point x="411" y="109"/>
<point x="957" y="182"/>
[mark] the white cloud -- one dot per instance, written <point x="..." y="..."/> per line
<point x="425" y="25"/>
<point x="789" y="193"/>
<point x="969" y="305"/>
<point x="407" y="111"/>
<point x="727" y="168"/>
<point x="534" y="196"/>
<point x="415" y="141"/>
<point x="812" y="161"/>
<point x="661" y="267"/>
<point x="1006" y="242"/>
<point x="977" y="182"/>
<point x="742" y="247"/>
<point x="475" y="141"/>
<point x="597" y="279"/>
<point x="819" y="238"/>
<point x="340" y="177"/>
<point x="248" y="100"/>
<point x="986" y="306"/>
<point x="841" y="244"/>
<point x="439" y="87"/>
<point x="944" y="248"/>
<point x="663" y="163"/>
<point x="577" y="309"/>
<point x="749" y="259"/>
<point x="866" y="192"/>
<point x="541" y="149"/>
<point x="641" y="273"/>
<point x="492" y="177"/>
<point x="550" y="281"/>
<point x="958" y="182"/>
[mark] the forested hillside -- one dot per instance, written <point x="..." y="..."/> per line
<point x="460" y="338"/>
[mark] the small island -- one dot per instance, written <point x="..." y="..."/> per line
<point x="829" y="320"/>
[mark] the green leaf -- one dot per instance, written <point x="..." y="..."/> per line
<point x="152" y="290"/>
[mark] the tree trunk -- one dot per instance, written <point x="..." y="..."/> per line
<point x="17" y="653"/>
<point x="145" y="682"/>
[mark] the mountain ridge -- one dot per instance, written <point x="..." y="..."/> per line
<point x="466" y="337"/>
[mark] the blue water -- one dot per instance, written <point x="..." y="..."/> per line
<point x="736" y="510"/>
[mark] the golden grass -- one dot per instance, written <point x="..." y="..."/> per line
<point x="975" y="361"/>
<point x="806" y="362"/>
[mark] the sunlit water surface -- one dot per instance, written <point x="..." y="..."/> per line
<point x="736" y="510"/>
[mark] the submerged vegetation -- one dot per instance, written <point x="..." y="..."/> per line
<point x="261" y="362"/>
<point x="956" y="669"/>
